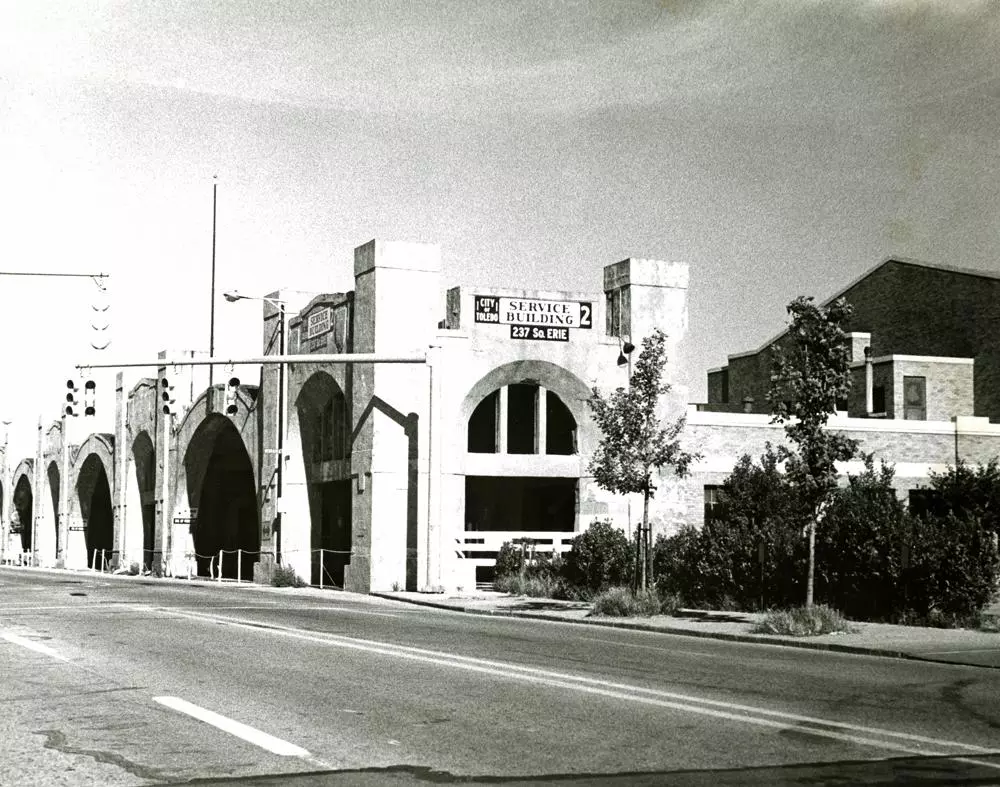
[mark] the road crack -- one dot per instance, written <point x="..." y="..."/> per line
<point x="56" y="739"/>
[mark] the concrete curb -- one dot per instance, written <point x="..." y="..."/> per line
<point x="754" y="639"/>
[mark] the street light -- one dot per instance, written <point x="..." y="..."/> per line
<point x="278" y="304"/>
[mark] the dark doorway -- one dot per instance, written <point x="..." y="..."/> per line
<point x="145" y="476"/>
<point x="24" y="510"/>
<point x="335" y="534"/>
<point x="228" y="519"/>
<point x="53" y="476"/>
<point x="98" y="516"/>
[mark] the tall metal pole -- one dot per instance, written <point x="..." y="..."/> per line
<point x="211" y="327"/>
<point x="281" y="428"/>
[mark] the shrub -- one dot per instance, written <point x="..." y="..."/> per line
<point x="621" y="602"/>
<point x="285" y="577"/>
<point x="510" y="560"/>
<point x="718" y="566"/>
<point x="803" y="622"/>
<point x="523" y="585"/>
<point x="601" y="557"/>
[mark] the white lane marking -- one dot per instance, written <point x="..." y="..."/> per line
<point x="233" y="727"/>
<point x="707" y="707"/>
<point x="964" y="650"/>
<point x="30" y="644"/>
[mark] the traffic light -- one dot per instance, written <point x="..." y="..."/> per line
<point x="72" y="402"/>
<point x="89" y="397"/>
<point x="167" y="395"/>
<point x="232" y="387"/>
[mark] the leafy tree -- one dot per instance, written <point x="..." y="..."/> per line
<point x="721" y="565"/>
<point x="860" y="546"/>
<point x="635" y="445"/>
<point x="966" y="490"/>
<point x="809" y="374"/>
<point x="599" y="558"/>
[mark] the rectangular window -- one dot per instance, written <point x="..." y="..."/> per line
<point x="522" y="401"/>
<point x="713" y="502"/>
<point x="560" y="427"/>
<point x="915" y="398"/>
<point x="923" y="502"/>
<point x="878" y="399"/>
<point x="510" y="503"/>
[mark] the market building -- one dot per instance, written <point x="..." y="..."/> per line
<point x="469" y="428"/>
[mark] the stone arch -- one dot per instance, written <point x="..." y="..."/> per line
<point x="321" y="420"/>
<point x="22" y="509"/>
<point x="49" y="542"/>
<point x="216" y="478"/>
<point x="91" y="506"/>
<point x="139" y="525"/>
<point x="525" y="431"/>
<point x="570" y="389"/>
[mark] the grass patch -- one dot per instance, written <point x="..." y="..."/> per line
<point x="519" y="585"/>
<point x="623" y="603"/>
<point x="803" y="622"/>
<point x="285" y="577"/>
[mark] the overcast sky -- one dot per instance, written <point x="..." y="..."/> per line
<point x="779" y="148"/>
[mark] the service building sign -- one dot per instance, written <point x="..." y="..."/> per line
<point x="532" y="318"/>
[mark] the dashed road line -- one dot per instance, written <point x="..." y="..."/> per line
<point x="31" y="644"/>
<point x="238" y="729"/>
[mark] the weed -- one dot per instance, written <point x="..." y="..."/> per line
<point x="620" y="602"/>
<point x="285" y="577"/>
<point x="803" y="622"/>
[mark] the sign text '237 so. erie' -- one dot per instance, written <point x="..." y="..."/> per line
<point x="533" y="318"/>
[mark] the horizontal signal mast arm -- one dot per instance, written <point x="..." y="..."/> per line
<point x="263" y="359"/>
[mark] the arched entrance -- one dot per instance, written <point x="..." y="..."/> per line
<point x="324" y="427"/>
<point x="522" y="462"/>
<point x="144" y="456"/>
<point x="22" y="513"/>
<point x="49" y="537"/>
<point x="96" y="510"/>
<point x="220" y="485"/>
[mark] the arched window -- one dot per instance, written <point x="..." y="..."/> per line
<point x="522" y="418"/>
<point x="332" y="442"/>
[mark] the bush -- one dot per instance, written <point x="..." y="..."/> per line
<point x="621" y="602"/>
<point x="285" y="577"/>
<point x="510" y="560"/>
<point x="523" y="585"/>
<point x="803" y="622"/>
<point x="601" y="557"/>
<point x="718" y="566"/>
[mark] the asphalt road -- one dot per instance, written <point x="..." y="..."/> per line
<point x="122" y="681"/>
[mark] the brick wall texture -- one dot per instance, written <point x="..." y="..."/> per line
<point x="913" y="309"/>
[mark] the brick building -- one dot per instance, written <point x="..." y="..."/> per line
<point x="925" y="373"/>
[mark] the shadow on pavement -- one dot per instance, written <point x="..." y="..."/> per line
<point x="714" y="617"/>
<point x="536" y="605"/>
<point x="907" y="770"/>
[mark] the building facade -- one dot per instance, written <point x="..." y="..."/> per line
<point x="412" y="431"/>
<point x="470" y="427"/>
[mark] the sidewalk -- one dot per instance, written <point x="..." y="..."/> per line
<point x="950" y="646"/>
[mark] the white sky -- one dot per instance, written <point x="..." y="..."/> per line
<point x="779" y="148"/>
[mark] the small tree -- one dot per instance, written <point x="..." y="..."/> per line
<point x="809" y="375"/>
<point x="634" y="443"/>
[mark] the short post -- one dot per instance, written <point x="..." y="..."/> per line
<point x="239" y="565"/>
<point x="220" y="565"/>
<point x="93" y="563"/>
<point x="102" y="561"/>
<point x="321" y="569"/>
